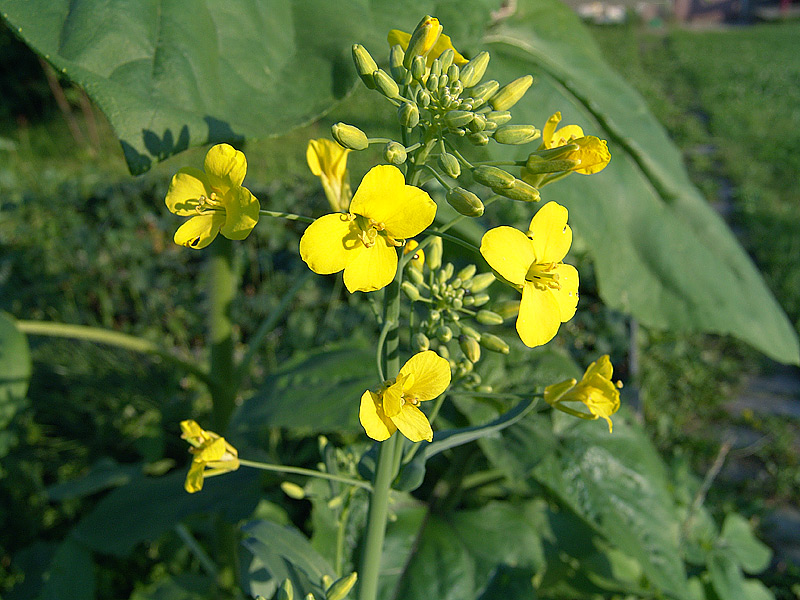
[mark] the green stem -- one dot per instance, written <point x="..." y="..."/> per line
<point x="286" y="215"/>
<point x="452" y="238"/>
<point x="445" y="184"/>
<point x="110" y="338"/>
<point x="341" y="532"/>
<point x="196" y="549"/>
<point x="222" y="289"/>
<point x="307" y="472"/>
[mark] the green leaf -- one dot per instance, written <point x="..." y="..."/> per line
<point x="15" y="369"/>
<point x="105" y="473"/>
<point x="661" y="252"/>
<point x="72" y="569"/>
<point x="726" y="576"/>
<point x="186" y="586"/>
<point x="737" y="537"/>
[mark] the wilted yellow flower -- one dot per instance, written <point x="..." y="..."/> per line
<point x="592" y="152"/>
<point x="532" y="262"/>
<point x="595" y="390"/>
<point x="363" y="242"/>
<point x="212" y="455"/>
<point x="425" y="376"/>
<point x="433" y="45"/>
<point x="328" y="161"/>
<point x="214" y="199"/>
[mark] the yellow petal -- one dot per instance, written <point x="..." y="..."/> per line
<point x="443" y="43"/>
<point x="431" y="375"/>
<point x="328" y="242"/>
<point x="393" y="399"/>
<point x="413" y="424"/>
<point x="550" y="233"/>
<point x="210" y="451"/>
<point x="241" y="213"/>
<point x="225" y="167"/>
<point x="194" y="478"/>
<point x="374" y="422"/>
<point x="383" y="196"/>
<point x="593" y="154"/>
<point x="509" y="252"/>
<point x="191" y="430"/>
<point x="602" y="367"/>
<point x="398" y="37"/>
<point x="567" y="296"/>
<point x="553" y="393"/>
<point x="549" y="129"/>
<point x="539" y="316"/>
<point x="372" y="268"/>
<point x="185" y="189"/>
<point x="198" y="232"/>
<point x="565" y="135"/>
<point x="326" y="156"/>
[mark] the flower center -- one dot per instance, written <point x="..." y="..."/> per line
<point x="209" y="204"/>
<point x="543" y="276"/>
<point x="370" y="229"/>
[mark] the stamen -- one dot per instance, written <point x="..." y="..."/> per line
<point x="543" y="276"/>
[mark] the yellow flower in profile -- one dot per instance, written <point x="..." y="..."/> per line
<point x="435" y="42"/>
<point x="425" y="376"/>
<point x="532" y="262"/>
<point x="363" y="242"/>
<point x="592" y="152"/>
<point x="328" y="161"/>
<point x="595" y="390"/>
<point x="214" y="199"/>
<point x="212" y="455"/>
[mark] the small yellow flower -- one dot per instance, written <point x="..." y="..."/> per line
<point x="328" y="161"/>
<point x="212" y="455"/>
<point x="214" y="199"/>
<point x="418" y="260"/>
<point x="431" y="51"/>
<point x="363" y="242"/>
<point x="532" y="261"/>
<point x="592" y="152"/>
<point x="595" y="390"/>
<point x="425" y="376"/>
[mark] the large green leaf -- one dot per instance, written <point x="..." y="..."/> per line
<point x="661" y="252"/>
<point x="72" y="569"/>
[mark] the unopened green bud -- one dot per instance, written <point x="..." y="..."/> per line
<point x="478" y="139"/>
<point x="455" y="90"/>
<point x="286" y="591"/>
<point x="396" y="67"/>
<point x="421" y="342"/>
<point x="423" y="39"/>
<point x="473" y="71"/>
<point x="507" y="309"/>
<point x="470" y="332"/>
<point x="446" y="59"/>
<point x="386" y="85"/>
<point x="538" y="166"/>
<point x="436" y="69"/>
<point x="484" y="91"/>
<point x="470" y="348"/>
<point x="443" y="351"/>
<point x="410" y="290"/>
<point x="494" y="343"/>
<point x="432" y="83"/>
<point x="477" y="124"/>
<point x="465" y="202"/>
<point x="481" y="282"/>
<point x="293" y="490"/>
<point x="408" y="115"/>
<point x="444" y="333"/>
<point x="424" y="98"/>
<point x="418" y="67"/>
<point x="394" y="153"/>
<point x="414" y="273"/>
<point x="516" y="134"/>
<point x="487" y="317"/>
<point x="493" y="177"/>
<point x="499" y="116"/>
<point x="443" y="81"/>
<point x="458" y="118"/>
<point x="453" y="73"/>
<point x="449" y="165"/>
<point x="349" y="136"/>
<point x="309" y="596"/>
<point x="511" y="93"/>
<point x="433" y="254"/>
<point x="466" y="273"/>
<point x="447" y="271"/>
<point x="520" y="191"/>
<point x="341" y="587"/>
<point x="457" y="303"/>
<point x="365" y="65"/>
<point x="480" y="299"/>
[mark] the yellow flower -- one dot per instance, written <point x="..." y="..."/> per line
<point x="532" y="262"/>
<point x="214" y="199"/>
<point x="595" y="390"/>
<point x="383" y="212"/>
<point x="431" y="51"/>
<point x="418" y="260"/>
<point x="425" y="376"/>
<point x="592" y="152"/>
<point x="328" y="161"/>
<point x="212" y="455"/>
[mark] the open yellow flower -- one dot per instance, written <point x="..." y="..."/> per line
<point x="363" y="242"/>
<point x="214" y="199"/>
<point x="425" y="376"/>
<point x="212" y="455"/>
<point x="434" y="49"/>
<point x="592" y="152"/>
<point x="328" y="161"/>
<point x="595" y="390"/>
<point x="532" y="262"/>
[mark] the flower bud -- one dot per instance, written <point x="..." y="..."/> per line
<point x="453" y="73"/>
<point x="477" y="124"/>
<point x="415" y="272"/>
<point x="410" y="290"/>
<point x="365" y="65"/>
<point x="444" y="333"/>
<point x="386" y="85"/>
<point x="511" y="93"/>
<point x="424" y="98"/>
<point x="396" y="67"/>
<point x="466" y="273"/>
<point x="449" y="165"/>
<point x="473" y="71"/>
<point x="481" y="282"/>
<point x="341" y="587"/>
<point x="507" y="309"/>
<point x="447" y="271"/>
<point x="418" y="67"/>
<point x="465" y="202"/>
<point x="516" y="134"/>
<point x="293" y="490"/>
<point x="421" y="342"/>
<point x="443" y="351"/>
<point x="487" y="317"/>
<point x="458" y="118"/>
<point x="519" y="191"/>
<point x="349" y="136"/>
<point x="443" y="81"/>
<point x="499" y="116"/>
<point x="394" y="153"/>
<point x="480" y="299"/>
<point x="494" y="343"/>
<point x="470" y="332"/>
<point x="436" y="68"/>
<point x="484" y="91"/>
<point x="433" y="256"/>
<point x="537" y="165"/>
<point x="408" y="115"/>
<point x="423" y="39"/>
<point x="493" y="177"/>
<point x="470" y="347"/>
<point x="446" y="59"/>
<point x="432" y="83"/>
<point x="478" y="139"/>
<point x="286" y="591"/>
